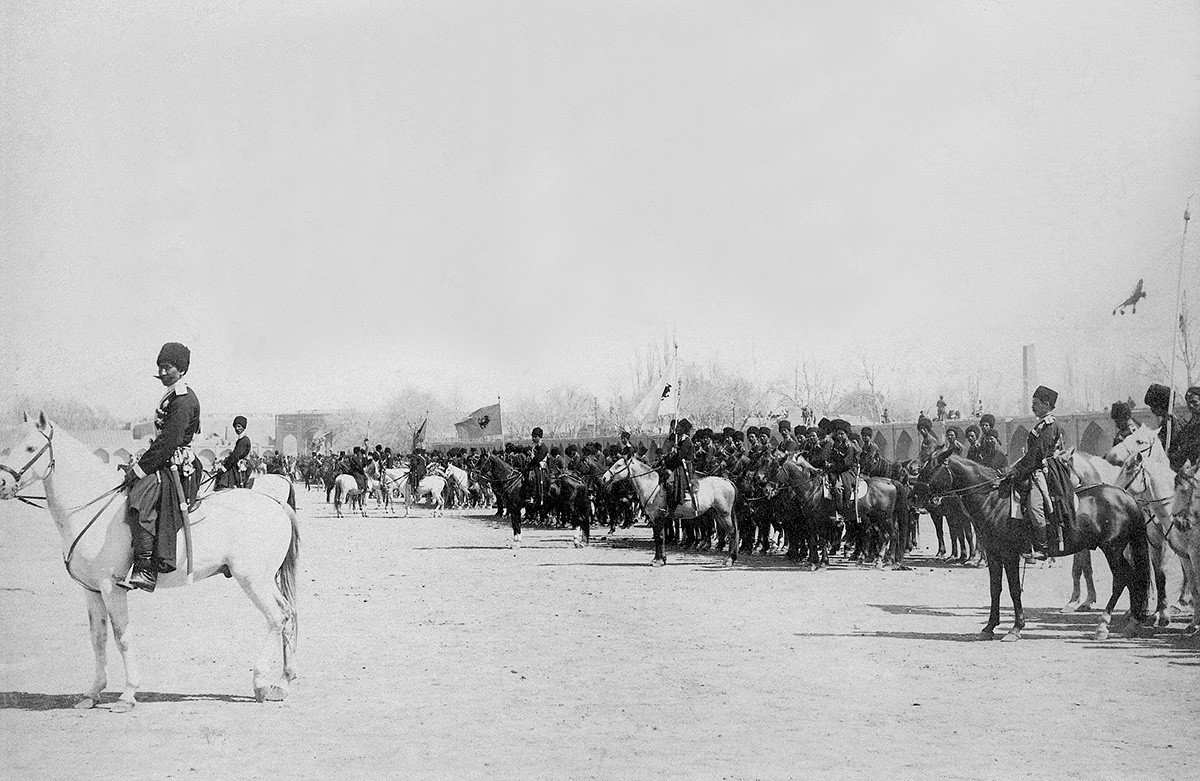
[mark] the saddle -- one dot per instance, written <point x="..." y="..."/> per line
<point x="860" y="488"/>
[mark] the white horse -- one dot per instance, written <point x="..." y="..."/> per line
<point x="1147" y="475"/>
<point x="712" y="494"/>
<point x="345" y="488"/>
<point x="277" y="487"/>
<point x="243" y="533"/>
<point x="460" y="482"/>
<point x="1185" y="513"/>
<point x="432" y="486"/>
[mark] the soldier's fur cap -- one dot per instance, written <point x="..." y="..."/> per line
<point x="554" y="451"/>
<point x="537" y="431"/>
<point x="728" y="431"/>
<point x="1158" y="396"/>
<point x="785" y="424"/>
<point x="1120" y="412"/>
<point x="841" y="425"/>
<point x="704" y="433"/>
<point x="175" y="354"/>
<point x="957" y="431"/>
<point x="1047" y="395"/>
<point x="240" y="420"/>
<point x="866" y="431"/>
<point x="683" y="426"/>
<point x="738" y="436"/>
<point x="988" y="418"/>
<point x="924" y="424"/>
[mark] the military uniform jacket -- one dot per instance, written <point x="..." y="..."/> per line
<point x="538" y="455"/>
<point x="241" y="449"/>
<point x="683" y="451"/>
<point x="1185" y="444"/>
<point x="842" y="457"/>
<point x="1042" y="442"/>
<point x="176" y="421"/>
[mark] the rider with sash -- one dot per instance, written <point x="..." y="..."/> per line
<point x="231" y="471"/>
<point x="417" y="466"/>
<point x="166" y="465"/>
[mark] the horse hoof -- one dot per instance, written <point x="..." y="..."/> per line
<point x="658" y="563"/>
<point x="269" y="693"/>
<point x="1086" y="607"/>
<point x="1070" y="607"/>
<point x="87" y="703"/>
<point x="986" y="634"/>
<point x="1163" y="620"/>
<point x="1192" y="630"/>
<point x="728" y="562"/>
<point x="289" y="675"/>
<point x="122" y="706"/>
<point x="1013" y="636"/>
<point x="1102" y="633"/>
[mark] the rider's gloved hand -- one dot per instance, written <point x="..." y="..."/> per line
<point x="130" y="476"/>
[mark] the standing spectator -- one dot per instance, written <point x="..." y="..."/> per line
<point x="941" y="408"/>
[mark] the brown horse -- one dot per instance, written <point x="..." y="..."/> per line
<point x="1108" y="519"/>
<point x="506" y="482"/>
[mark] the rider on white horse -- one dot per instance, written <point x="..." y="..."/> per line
<point x="677" y="464"/>
<point x="176" y="421"/>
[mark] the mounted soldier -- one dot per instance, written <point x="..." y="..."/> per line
<point x="159" y="476"/>
<point x="1039" y="475"/>
<point x="1185" y="444"/>
<point x="869" y="458"/>
<point x="1124" y="421"/>
<point x="231" y="471"/>
<point x="418" y="466"/>
<point x="678" y="464"/>
<point x="842" y="466"/>
<point x="625" y="447"/>
<point x="358" y="465"/>
<point x="535" y="468"/>
<point x="1158" y="399"/>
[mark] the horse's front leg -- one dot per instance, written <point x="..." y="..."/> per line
<point x="660" y="555"/>
<point x="1012" y="569"/>
<point x="98" y="628"/>
<point x="995" y="580"/>
<point x="117" y="604"/>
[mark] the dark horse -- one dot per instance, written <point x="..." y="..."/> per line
<point x="1108" y="519"/>
<point x="568" y="497"/>
<point x="506" y="482"/>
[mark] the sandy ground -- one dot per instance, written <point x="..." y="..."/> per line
<point x="429" y="649"/>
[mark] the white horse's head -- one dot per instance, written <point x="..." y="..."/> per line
<point x="29" y="459"/>
<point x="620" y="469"/>
<point x="1142" y="441"/>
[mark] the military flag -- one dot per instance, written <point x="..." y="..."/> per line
<point x="419" y="435"/>
<point x="483" y="422"/>
<point x="662" y="398"/>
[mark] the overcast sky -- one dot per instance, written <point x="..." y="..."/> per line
<point x="326" y="200"/>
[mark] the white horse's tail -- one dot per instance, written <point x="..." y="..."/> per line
<point x="285" y="578"/>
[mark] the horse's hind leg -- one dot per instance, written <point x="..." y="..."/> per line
<point x="1081" y="567"/>
<point x="995" y="584"/>
<point x="266" y="597"/>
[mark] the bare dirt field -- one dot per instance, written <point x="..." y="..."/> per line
<point x="428" y="649"/>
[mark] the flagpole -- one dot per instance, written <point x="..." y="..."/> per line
<point x="678" y="384"/>
<point x="1175" y="322"/>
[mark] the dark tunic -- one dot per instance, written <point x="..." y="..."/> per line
<point x="1185" y="444"/>
<point x="233" y="477"/>
<point x="1041" y="444"/>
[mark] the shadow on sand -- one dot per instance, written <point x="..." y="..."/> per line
<point x="32" y="701"/>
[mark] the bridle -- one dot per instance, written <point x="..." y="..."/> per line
<point x="18" y="474"/>
<point x="111" y="493"/>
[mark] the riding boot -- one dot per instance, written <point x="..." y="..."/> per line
<point x="144" y="574"/>
<point x="1040" y="545"/>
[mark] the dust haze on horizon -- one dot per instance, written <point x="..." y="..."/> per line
<point x="328" y="202"/>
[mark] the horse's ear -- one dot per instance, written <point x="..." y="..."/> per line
<point x="943" y="456"/>
<point x="24" y="416"/>
<point x="41" y="420"/>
